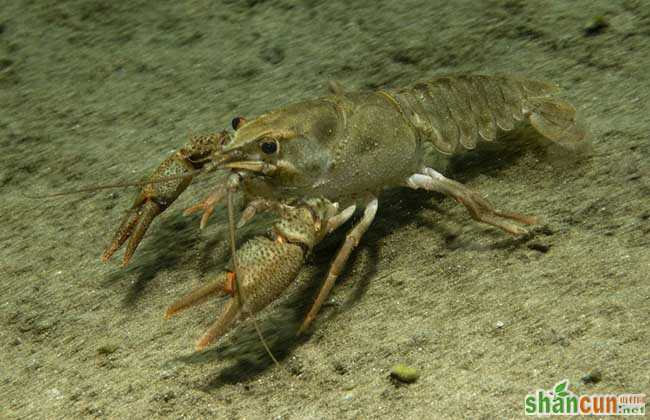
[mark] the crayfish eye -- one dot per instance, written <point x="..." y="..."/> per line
<point x="269" y="146"/>
<point x="238" y="122"/>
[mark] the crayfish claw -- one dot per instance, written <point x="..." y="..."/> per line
<point x="146" y="215"/>
<point x="133" y="227"/>
<point x="129" y="223"/>
<point x="221" y="325"/>
<point x="122" y="234"/>
<point x="267" y="266"/>
<point x="200" y="295"/>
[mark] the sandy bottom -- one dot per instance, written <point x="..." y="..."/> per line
<point x="96" y="92"/>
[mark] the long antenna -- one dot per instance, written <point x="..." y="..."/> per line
<point x="233" y="181"/>
<point x="93" y="188"/>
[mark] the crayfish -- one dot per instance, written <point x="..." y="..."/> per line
<point x="314" y="163"/>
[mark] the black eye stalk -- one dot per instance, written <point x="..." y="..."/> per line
<point x="238" y="122"/>
<point x="269" y="146"/>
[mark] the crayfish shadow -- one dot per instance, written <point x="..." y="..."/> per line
<point x="177" y="241"/>
<point x="490" y="158"/>
<point x="171" y="243"/>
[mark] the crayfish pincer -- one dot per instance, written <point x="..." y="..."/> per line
<point x="266" y="265"/>
<point x="343" y="150"/>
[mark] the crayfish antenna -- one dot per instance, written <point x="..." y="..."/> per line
<point x="95" y="188"/>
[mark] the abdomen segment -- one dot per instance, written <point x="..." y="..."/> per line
<point x="453" y="112"/>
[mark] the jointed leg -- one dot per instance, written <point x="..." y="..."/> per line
<point x="261" y="205"/>
<point x="208" y="204"/>
<point x="351" y="241"/>
<point x="336" y="221"/>
<point x="479" y="208"/>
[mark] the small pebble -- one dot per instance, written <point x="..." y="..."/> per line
<point x="404" y="373"/>
<point x="539" y="246"/>
<point x="109" y="348"/>
<point x="499" y="325"/>
<point x="273" y="55"/>
<point x="349" y="386"/>
<point x="168" y="374"/>
<point x="596" y="26"/>
<point x="54" y="394"/>
<point x="592" y="377"/>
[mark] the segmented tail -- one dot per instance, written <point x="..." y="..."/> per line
<point x="453" y="112"/>
<point x="556" y="120"/>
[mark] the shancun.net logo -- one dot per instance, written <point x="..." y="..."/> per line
<point x="561" y="402"/>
